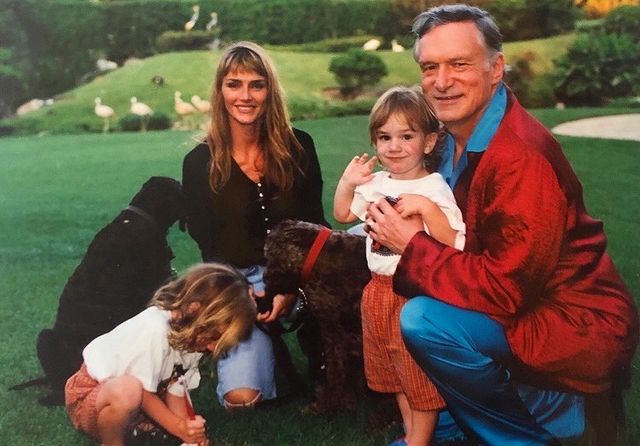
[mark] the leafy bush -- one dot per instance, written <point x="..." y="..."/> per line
<point x="14" y="66"/>
<point x="130" y="123"/>
<point x="529" y="19"/>
<point x="301" y="109"/>
<point x="623" y="20"/>
<point x="540" y="92"/>
<point x="519" y="75"/>
<point x="356" y="69"/>
<point x="185" y="40"/>
<point x="517" y="19"/>
<point x="159" y="121"/>
<point x="598" y="67"/>
<point x="299" y="21"/>
<point x="133" y="123"/>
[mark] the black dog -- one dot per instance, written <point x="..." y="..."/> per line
<point x="333" y="290"/>
<point x="124" y="264"/>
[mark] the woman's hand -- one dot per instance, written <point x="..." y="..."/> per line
<point x="282" y="304"/>
<point x="386" y="226"/>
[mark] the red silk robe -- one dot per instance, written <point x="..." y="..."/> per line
<point x="534" y="261"/>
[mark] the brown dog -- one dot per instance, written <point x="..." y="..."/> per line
<point x="333" y="290"/>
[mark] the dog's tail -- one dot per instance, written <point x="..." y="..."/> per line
<point x="40" y="381"/>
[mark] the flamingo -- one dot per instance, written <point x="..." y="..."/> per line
<point x="396" y="47"/>
<point x="103" y="111"/>
<point x="182" y="108"/>
<point x="371" y="45"/>
<point x="143" y="110"/>
<point x="194" y="18"/>
<point x="200" y="104"/>
<point x="213" y="22"/>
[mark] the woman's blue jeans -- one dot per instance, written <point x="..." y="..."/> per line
<point x="463" y="353"/>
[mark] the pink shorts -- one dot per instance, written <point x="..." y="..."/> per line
<point x="80" y="395"/>
<point x="388" y="366"/>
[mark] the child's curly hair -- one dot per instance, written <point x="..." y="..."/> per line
<point x="224" y="309"/>
<point x="410" y="103"/>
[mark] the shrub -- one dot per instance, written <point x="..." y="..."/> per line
<point x="519" y="75"/>
<point x="529" y="19"/>
<point x="159" y="121"/>
<point x="133" y="123"/>
<point x="14" y="65"/>
<point x="185" y="40"/>
<point x="130" y="123"/>
<point x="598" y="67"/>
<point x="356" y="69"/>
<point x="540" y="93"/>
<point x="623" y="20"/>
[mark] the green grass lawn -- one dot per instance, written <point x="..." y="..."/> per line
<point x="57" y="191"/>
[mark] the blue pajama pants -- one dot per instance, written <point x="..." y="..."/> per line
<point x="463" y="353"/>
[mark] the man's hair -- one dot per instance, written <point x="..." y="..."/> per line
<point x="444" y="14"/>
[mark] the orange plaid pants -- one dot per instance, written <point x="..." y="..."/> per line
<point x="388" y="366"/>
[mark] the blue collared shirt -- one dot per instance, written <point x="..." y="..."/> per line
<point x="479" y="140"/>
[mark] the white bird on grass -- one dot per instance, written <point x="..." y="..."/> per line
<point x="183" y="108"/>
<point x="213" y="22"/>
<point x="143" y="110"/>
<point x="200" y="104"/>
<point x="396" y="47"/>
<point x="28" y="107"/>
<point x="105" y="65"/>
<point x="371" y="45"/>
<point x="103" y="111"/>
<point x="194" y="18"/>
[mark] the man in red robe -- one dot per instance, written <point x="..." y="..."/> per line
<point x="534" y="297"/>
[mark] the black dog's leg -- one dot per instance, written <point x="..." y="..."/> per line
<point x="54" y="353"/>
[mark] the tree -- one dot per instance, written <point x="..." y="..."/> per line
<point x="599" y="67"/>
<point x="356" y="69"/>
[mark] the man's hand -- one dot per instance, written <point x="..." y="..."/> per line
<point x="386" y="226"/>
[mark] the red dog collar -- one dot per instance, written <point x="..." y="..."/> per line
<point x="314" y="252"/>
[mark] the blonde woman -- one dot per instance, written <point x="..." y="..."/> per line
<point x="252" y="171"/>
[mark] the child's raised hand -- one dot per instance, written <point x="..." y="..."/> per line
<point x="359" y="170"/>
<point x="412" y="204"/>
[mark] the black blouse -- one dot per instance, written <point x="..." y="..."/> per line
<point x="232" y="224"/>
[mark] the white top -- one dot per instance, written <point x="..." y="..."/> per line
<point x="380" y="259"/>
<point x="139" y="347"/>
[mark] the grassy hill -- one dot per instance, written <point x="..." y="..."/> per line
<point x="305" y="77"/>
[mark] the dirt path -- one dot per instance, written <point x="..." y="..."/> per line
<point x="608" y="127"/>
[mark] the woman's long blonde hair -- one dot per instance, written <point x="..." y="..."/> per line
<point x="276" y="134"/>
<point x="223" y="307"/>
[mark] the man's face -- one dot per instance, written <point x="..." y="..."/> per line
<point x="459" y="76"/>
